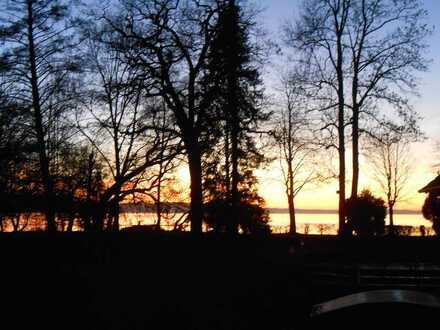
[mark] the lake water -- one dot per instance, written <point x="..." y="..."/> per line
<point x="307" y="223"/>
<point x="311" y="223"/>
<point x="326" y="223"/>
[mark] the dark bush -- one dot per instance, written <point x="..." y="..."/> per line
<point x="365" y="215"/>
<point x="431" y="211"/>
<point x="253" y="219"/>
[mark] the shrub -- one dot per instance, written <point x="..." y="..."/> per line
<point x="431" y="211"/>
<point x="253" y="218"/>
<point x="365" y="215"/>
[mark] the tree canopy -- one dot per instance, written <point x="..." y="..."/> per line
<point x="366" y="214"/>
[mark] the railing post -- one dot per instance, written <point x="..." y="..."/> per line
<point x="358" y="275"/>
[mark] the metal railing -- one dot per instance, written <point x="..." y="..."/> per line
<point x="409" y="275"/>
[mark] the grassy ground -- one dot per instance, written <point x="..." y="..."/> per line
<point x="176" y="281"/>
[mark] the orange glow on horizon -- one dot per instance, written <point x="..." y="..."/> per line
<point x="325" y="197"/>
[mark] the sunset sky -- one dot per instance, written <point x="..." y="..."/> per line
<point x="325" y="197"/>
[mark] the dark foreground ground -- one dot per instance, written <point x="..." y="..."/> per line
<point x="180" y="281"/>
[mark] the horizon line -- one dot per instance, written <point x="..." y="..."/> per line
<point x="276" y="210"/>
<point x="335" y="211"/>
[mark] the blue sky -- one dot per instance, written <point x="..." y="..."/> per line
<point x="278" y="11"/>
<point x="428" y="105"/>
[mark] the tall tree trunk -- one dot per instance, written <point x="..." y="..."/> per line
<point x="116" y="212"/>
<point x="341" y="135"/>
<point x="87" y="214"/>
<point x="234" y="118"/>
<point x="292" y="217"/>
<point x="15" y="219"/>
<point x="113" y="207"/>
<point x="290" y="189"/>
<point x="355" y="142"/>
<point x="98" y="212"/>
<point x="355" y="181"/>
<point x="355" y="134"/>
<point x="341" y="185"/>
<point x="391" y="210"/>
<point x="196" y="203"/>
<point x="70" y="223"/>
<point x="158" y="199"/>
<point x="98" y="219"/>
<point x="290" y="175"/>
<point x="235" y="202"/>
<point x="161" y="174"/>
<point x="227" y="165"/>
<point x="44" y="161"/>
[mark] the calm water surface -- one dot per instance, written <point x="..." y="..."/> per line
<point x="307" y="223"/>
<point x="311" y="223"/>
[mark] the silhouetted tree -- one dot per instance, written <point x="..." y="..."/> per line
<point x="233" y="87"/>
<point x="431" y="211"/>
<point x="392" y="163"/>
<point x="253" y="218"/>
<point x="167" y="42"/>
<point x="78" y="186"/>
<point x="170" y="202"/>
<point x="297" y="148"/>
<point x="318" y="37"/>
<point x="124" y="124"/>
<point x="386" y="44"/>
<point x="16" y="142"/>
<point x="17" y="158"/>
<point x="362" y="55"/>
<point x="366" y="214"/>
<point x="37" y="51"/>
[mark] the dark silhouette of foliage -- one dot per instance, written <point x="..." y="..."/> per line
<point x="234" y="87"/>
<point x="77" y="187"/>
<point x="121" y="113"/>
<point x="366" y="214"/>
<point x="431" y="211"/>
<point x="39" y="63"/>
<point x="16" y="145"/>
<point x="167" y="42"/>
<point x="252" y="218"/>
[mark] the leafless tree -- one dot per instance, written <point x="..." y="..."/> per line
<point x="295" y="139"/>
<point x="36" y="37"/>
<point x="392" y="165"/>
<point x="386" y="44"/>
<point x="117" y="120"/>
<point x="168" y="41"/>
<point x="318" y="36"/>
<point x="363" y="55"/>
<point x="165" y="188"/>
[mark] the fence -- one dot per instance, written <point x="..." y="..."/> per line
<point x="409" y="275"/>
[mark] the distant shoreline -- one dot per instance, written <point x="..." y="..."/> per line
<point x="148" y="208"/>
<point x="320" y="211"/>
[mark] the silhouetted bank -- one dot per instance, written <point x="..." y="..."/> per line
<point x="157" y="280"/>
<point x="149" y="281"/>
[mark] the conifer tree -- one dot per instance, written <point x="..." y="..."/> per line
<point x="233" y="82"/>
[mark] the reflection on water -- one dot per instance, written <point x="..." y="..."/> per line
<point x="326" y="223"/>
<point x="307" y="223"/>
